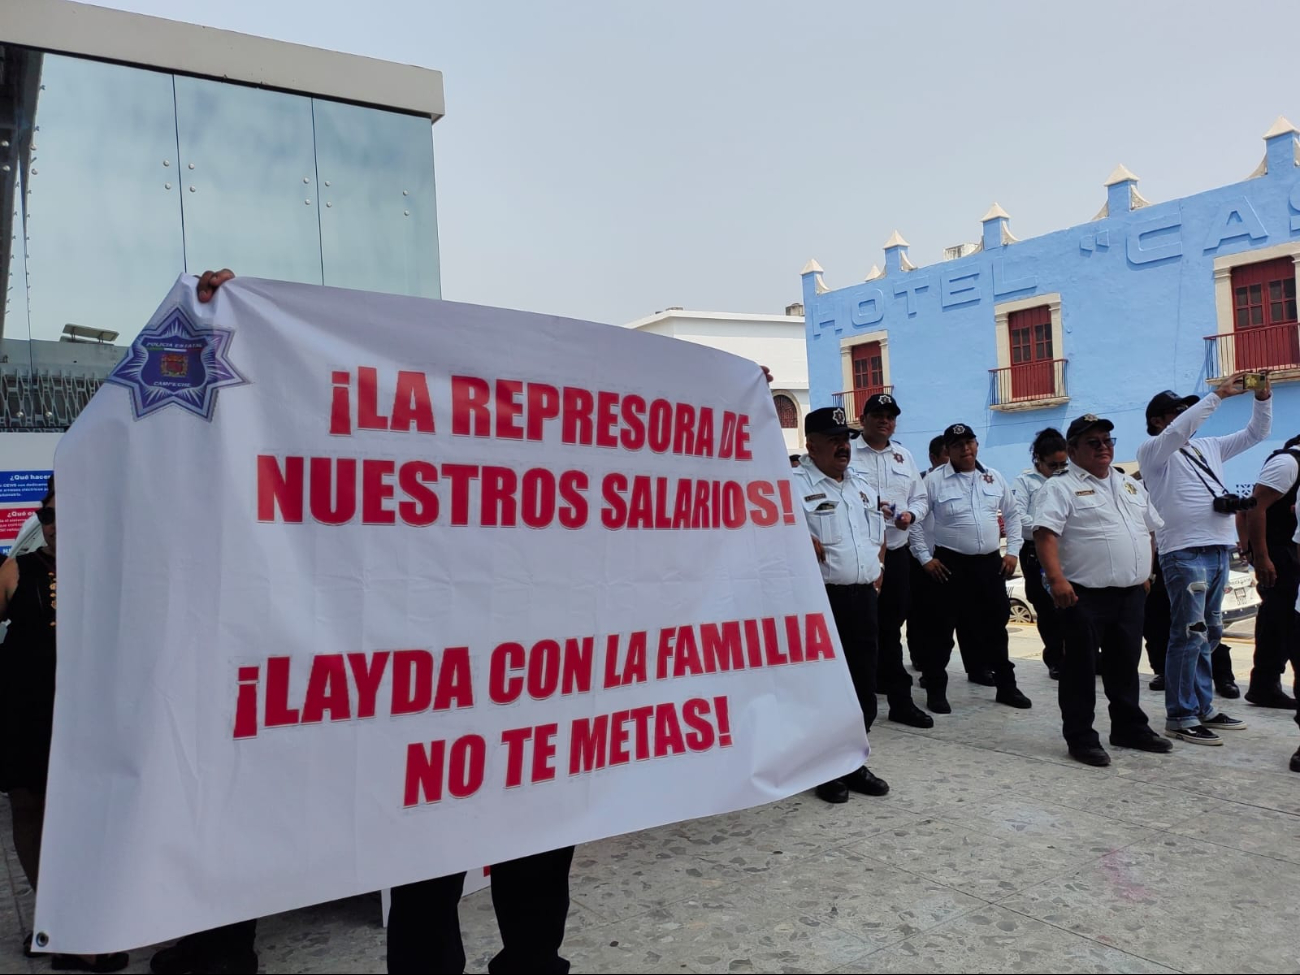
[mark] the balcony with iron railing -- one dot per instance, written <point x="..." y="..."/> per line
<point x="1271" y="348"/>
<point x="851" y="400"/>
<point x="1029" y="385"/>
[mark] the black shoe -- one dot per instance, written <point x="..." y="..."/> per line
<point x="834" y="791"/>
<point x="1227" y="688"/>
<point x="1295" y="761"/>
<point x="1221" y="722"/>
<point x="94" y="963"/>
<point x="984" y="678"/>
<point x="1150" y="742"/>
<point x="1054" y="673"/>
<point x="937" y="702"/>
<point x="921" y="682"/>
<point x="910" y="714"/>
<point x="864" y="782"/>
<point x="1196" y="735"/>
<point x="1157" y="682"/>
<point x="1270" y="697"/>
<point x="1014" y="697"/>
<point x="1091" y="755"/>
<point x="188" y="956"/>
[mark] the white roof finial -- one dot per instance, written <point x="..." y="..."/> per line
<point x="1122" y="174"/>
<point x="812" y="267"/>
<point x="1281" y="127"/>
<point x="896" y="240"/>
<point x="995" y="213"/>
<point x="875" y="272"/>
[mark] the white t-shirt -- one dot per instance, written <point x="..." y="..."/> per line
<point x="1178" y="484"/>
<point x="1279" y="473"/>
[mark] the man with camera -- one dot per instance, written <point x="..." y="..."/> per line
<point x="1185" y="480"/>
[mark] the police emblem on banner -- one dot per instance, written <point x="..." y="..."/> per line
<point x="177" y="363"/>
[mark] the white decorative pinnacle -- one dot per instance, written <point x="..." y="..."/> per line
<point x="875" y="273"/>
<point x="1122" y="174"/>
<point x="995" y="213"/>
<point x="1281" y="127"/>
<point x="812" y="267"/>
<point x="896" y="240"/>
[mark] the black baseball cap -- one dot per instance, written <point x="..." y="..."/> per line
<point x="957" y="433"/>
<point x="829" y="421"/>
<point x="881" y="403"/>
<point x="1168" y="402"/>
<point x="1085" y="423"/>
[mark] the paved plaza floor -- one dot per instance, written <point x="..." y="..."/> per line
<point x="994" y="852"/>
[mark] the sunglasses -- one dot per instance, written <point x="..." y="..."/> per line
<point x="45" y="516"/>
<point x="1056" y="465"/>
<point x="1097" y="443"/>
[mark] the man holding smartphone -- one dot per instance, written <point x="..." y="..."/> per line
<point x="1185" y="480"/>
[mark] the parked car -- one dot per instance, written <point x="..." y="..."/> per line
<point x="1240" y="597"/>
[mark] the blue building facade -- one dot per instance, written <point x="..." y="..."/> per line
<point x="1010" y="336"/>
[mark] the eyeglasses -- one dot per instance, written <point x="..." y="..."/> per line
<point x="1056" y="465"/>
<point x="45" y="516"/>
<point x="1098" y="443"/>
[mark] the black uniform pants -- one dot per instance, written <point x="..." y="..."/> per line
<point x="1109" y="619"/>
<point x="531" y="898"/>
<point x="922" y="628"/>
<point x="1155" y="629"/>
<point x="973" y="601"/>
<point x="1047" y="617"/>
<point x="855" y="612"/>
<point x="1277" y="630"/>
<point x="892" y="678"/>
<point x="227" y="941"/>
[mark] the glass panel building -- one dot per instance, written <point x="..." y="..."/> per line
<point x="133" y="148"/>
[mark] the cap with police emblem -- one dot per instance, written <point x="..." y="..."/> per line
<point x="829" y="421"/>
<point x="881" y="403"/>
<point x="957" y="433"/>
<point x="1085" y="423"/>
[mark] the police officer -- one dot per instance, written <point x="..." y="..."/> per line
<point x="965" y="498"/>
<point x="848" y="535"/>
<point x="1094" y="533"/>
<point x="1269" y="527"/>
<point x="1048" y="453"/>
<point x="890" y="469"/>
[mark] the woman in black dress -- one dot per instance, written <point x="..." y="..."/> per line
<point x="28" y="592"/>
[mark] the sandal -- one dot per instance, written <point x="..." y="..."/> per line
<point x="96" y="963"/>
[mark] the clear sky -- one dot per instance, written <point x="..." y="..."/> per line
<point x="605" y="160"/>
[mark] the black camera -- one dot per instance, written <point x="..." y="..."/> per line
<point x="1230" y="504"/>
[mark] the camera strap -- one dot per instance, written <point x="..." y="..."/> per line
<point x="1199" y="461"/>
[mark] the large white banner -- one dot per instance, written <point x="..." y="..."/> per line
<point x="358" y="590"/>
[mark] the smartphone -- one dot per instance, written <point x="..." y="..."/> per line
<point x="1252" y="380"/>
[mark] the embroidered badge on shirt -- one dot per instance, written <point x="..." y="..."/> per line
<point x="1130" y="488"/>
<point x="988" y="478"/>
<point x="898" y="458"/>
<point x="814" y="497"/>
<point x="1084" y="494"/>
<point x="826" y="506"/>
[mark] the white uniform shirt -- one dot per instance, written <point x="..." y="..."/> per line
<point x="1104" y="525"/>
<point x="1279" y="473"/>
<point x="1186" y="504"/>
<point x="965" y="509"/>
<point x="893" y="473"/>
<point x="845" y="517"/>
<point x="1025" y="488"/>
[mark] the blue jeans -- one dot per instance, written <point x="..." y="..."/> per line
<point x="1195" y="578"/>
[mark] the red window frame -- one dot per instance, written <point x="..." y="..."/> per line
<point x="868" y="370"/>
<point x="1033" y="369"/>
<point x="1264" y="317"/>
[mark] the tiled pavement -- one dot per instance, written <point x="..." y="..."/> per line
<point x="994" y="852"/>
